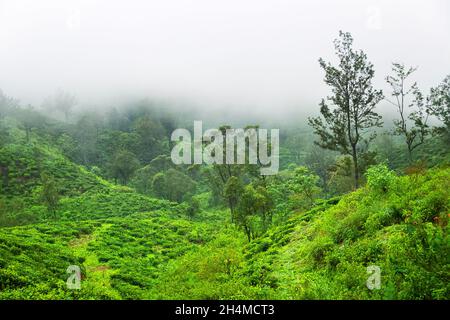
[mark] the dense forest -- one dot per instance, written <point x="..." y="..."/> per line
<point x="99" y="190"/>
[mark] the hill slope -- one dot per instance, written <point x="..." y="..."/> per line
<point x="321" y="254"/>
<point x="324" y="253"/>
<point x="83" y="194"/>
<point x="130" y="246"/>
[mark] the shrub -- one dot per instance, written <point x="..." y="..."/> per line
<point x="380" y="178"/>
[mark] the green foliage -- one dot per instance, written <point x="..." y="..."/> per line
<point x="126" y="252"/>
<point x="281" y="241"/>
<point x="413" y="115"/>
<point x="142" y="180"/>
<point x="325" y="254"/>
<point x="120" y="257"/>
<point x="208" y="272"/>
<point x="350" y="112"/>
<point x="123" y="166"/>
<point x="150" y="133"/>
<point x="440" y="105"/>
<point x="380" y="178"/>
<point x="193" y="207"/>
<point x="22" y="166"/>
<point x="232" y="191"/>
<point x="305" y="183"/>
<point x="341" y="176"/>
<point x="173" y="185"/>
<point x="49" y="193"/>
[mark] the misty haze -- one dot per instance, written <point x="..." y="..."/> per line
<point x="224" y="150"/>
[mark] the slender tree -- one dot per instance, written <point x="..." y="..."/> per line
<point x="30" y="119"/>
<point x="7" y="104"/>
<point x="440" y="105"/>
<point x="233" y="189"/>
<point x="349" y="112"/>
<point x="410" y="106"/>
<point x="63" y="102"/>
<point x="49" y="194"/>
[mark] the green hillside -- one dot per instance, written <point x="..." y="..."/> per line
<point x="107" y="199"/>
<point x="130" y="246"/>
<point x="83" y="194"/>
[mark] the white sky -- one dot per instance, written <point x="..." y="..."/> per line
<point x="258" y="53"/>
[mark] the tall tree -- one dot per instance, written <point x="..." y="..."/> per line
<point x="87" y="134"/>
<point x="63" y="102"/>
<point x="350" y="111"/>
<point x="152" y="139"/>
<point x="440" y="105"/>
<point x="319" y="161"/>
<point x="123" y="166"/>
<point x="225" y="178"/>
<point x="30" y="119"/>
<point x="173" y="185"/>
<point x="410" y="106"/>
<point x="305" y="183"/>
<point x="49" y="193"/>
<point x="232" y="191"/>
<point x="254" y="210"/>
<point x="228" y="177"/>
<point x="7" y="104"/>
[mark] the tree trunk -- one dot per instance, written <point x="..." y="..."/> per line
<point x="355" y="166"/>
<point x="231" y="206"/>
<point x="409" y="154"/>
<point x="5" y="174"/>
<point x="248" y="233"/>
